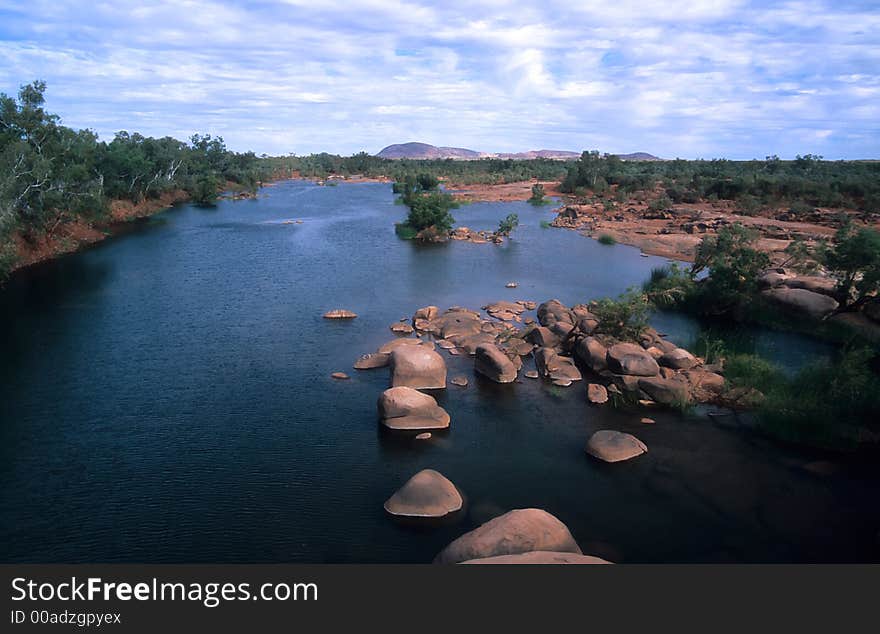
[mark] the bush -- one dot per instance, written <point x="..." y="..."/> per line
<point x="537" y="197"/>
<point x="545" y="224"/>
<point x="734" y="265"/>
<point x="508" y="224"/>
<point x="431" y="210"/>
<point x="660" y="204"/>
<point x="607" y="239"/>
<point x="404" y="231"/>
<point x="826" y="404"/>
<point x="623" y="318"/>
<point x="668" y="286"/>
<point x="8" y="258"/>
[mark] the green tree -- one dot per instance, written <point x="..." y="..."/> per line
<point x="507" y="225"/>
<point x="855" y="257"/>
<point x="537" y="197"/>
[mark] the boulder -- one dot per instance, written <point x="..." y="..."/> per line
<point x="425" y="435"/>
<point x="427" y="313"/>
<point x="492" y="363"/>
<point x="592" y="354"/>
<point x="516" y="532"/>
<point x="823" y="285"/>
<point x="427" y="494"/>
<point x="456" y="323"/>
<point x="470" y="343"/>
<point x="678" y="359"/>
<point x="596" y="393"/>
<point x="543" y="337"/>
<point x="401" y="328"/>
<point x="801" y="300"/>
<point x="418" y="367"/>
<point x="370" y="361"/>
<point x="556" y="367"/>
<point x="539" y="557"/>
<point x="628" y="358"/>
<point x="339" y="313"/>
<point x="672" y="392"/>
<point x="340" y="375"/>
<point x="405" y="408"/>
<point x="614" y="446"/>
<point x="531" y="374"/>
<point x="704" y="385"/>
<point x="391" y="346"/>
<point x="554" y="311"/>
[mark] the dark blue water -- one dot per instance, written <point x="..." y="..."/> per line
<point x="165" y="396"/>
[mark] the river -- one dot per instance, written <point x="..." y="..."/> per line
<point x="165" y="396"/>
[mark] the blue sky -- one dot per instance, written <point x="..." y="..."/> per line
<point x="703" y="78"/>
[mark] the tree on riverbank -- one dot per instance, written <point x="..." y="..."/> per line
<point x="51" y="175"/>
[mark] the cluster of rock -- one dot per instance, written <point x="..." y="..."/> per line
<point x="467" y="234"/>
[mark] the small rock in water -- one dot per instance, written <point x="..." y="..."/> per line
<point x="459" y="380"/>
<point x="562" y="382"/>
<point x="425" y="435"/>
<point x="614" y="446"/>
<point x="531" y="374"/>
<point x="454" y="351"/>
<point x="401" y="328"/>
<point x="644" y="255"/>
<point x="647" y="421"/>
<point x="339" y="313"/>
<point x="597" y="393"/>
<point x="511" y="285"/>
<point x="340" y="375"/>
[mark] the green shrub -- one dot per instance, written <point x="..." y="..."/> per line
<point x="403" y="230"/>
<point x="545" y="224"/>
<point x="508" y="224"/>
<point x="8" y="258"/>
<point x="625" y="317"/>
<point x="607" y="239"/>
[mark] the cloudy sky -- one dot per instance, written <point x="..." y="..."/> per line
<point x="703" y="78"/>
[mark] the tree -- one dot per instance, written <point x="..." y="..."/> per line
<point x="855" y="257"/>
<point x="507" y="225"/>
<point x="734" y="265"/>
<point x="431" y="210"/>
<point x="537" y="194"/>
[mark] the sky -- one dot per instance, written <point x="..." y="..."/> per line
<point x="697" y="79"/>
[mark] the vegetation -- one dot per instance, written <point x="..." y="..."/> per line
<point x="607" y="239"/>
<point x="429" y="208"/>
<point x="538" y="194"/>
<point x="800" y="185"/>
<point x="51" y="174"/>
<point x="508" y="224"/>
<point x="828" y="404"/>
<point x="855" y="258"/>
<point x="625" y="317"/>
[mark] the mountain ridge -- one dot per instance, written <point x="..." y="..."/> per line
<point x="416" y="150"/>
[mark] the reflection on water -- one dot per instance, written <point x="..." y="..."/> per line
<point x="165" y="396"/>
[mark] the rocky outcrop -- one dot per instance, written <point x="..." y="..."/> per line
<point x="493" y="364"/>
<point x="543" y="337"/>
<point x="405" y="408"/>
<point x="628" y="358"/>
<point x="417" y="367"/>
<point x="391" y="346"/>
<point x="516" y="532"/>
<point x="371" y="361"/>
<point x="401" y="328"/>
<point x="813" y="304"/>
<point x="428" y="494"/>
<point x="554" y="311"/>
<point x="614" y="446"/>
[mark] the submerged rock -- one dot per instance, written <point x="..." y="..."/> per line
<point x="340" y="375"/>
<point x="427" y="494"/>
<point x="614" y="446"/>
<point x="401" y="328"/>
<point x="418" y="367"/>
<point x="492" y="363"/>
<point x="405" y="408"/>
<point x="516" y="532"/>
<point x="460" y="381"/>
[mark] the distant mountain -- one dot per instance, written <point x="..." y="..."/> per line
<point x="426" y="151"/>
<point x="639" y="156"/>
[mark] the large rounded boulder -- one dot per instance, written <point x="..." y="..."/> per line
<point x="592" y="354"/>
<point x="493" y="364"/>
<point x="628" y="358"/>
<point x="405" y="408"/>
<point x="678" y="359"/>
<point x="539" y="557"/>
<point x="419" y="367"/>
<point x="519" y="531"/>
<point x="615" y="446"/>
<point x="673" y="392"/>
<point x="427" y="494"/>
<point x="813" y="304"/>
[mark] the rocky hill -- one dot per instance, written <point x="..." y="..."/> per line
<point x="427" y="151"/>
